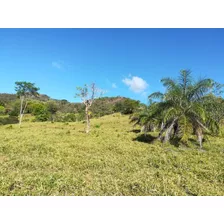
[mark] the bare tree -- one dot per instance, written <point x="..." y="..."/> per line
<point x="88" y="94"/>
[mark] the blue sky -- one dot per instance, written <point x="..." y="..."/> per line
<point x="125" y="62"/>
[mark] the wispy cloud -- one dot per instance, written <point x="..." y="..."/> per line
<point x="114" y="86"/>
<point x="57" y="64"/>
<point x="111" y="84"/>
<point x="135" y="84"/>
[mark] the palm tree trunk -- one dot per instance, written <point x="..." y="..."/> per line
<point x="175" y="130"/>
<point x="162" y="126"/>
<point x="169" y="130"/>
<point x="161" y="133"/>
<point x="199" y="134"/>
<point x="142" y="128"/>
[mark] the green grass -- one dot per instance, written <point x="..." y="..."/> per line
<point x="60" y="159"/>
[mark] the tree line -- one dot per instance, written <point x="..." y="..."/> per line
<point x="28" y="100"/>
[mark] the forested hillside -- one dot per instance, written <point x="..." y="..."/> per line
<point x="44" y="108"/>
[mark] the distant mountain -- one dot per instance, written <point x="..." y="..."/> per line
<point x="7" y="97"/>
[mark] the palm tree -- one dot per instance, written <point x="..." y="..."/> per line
<point x="145" y="117"/>
<point x="181" y="108"/>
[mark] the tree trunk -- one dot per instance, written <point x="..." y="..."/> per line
<point x="52" y="118"/>
<point x="199" y="134"/>
<point x="175" y="130"/>
<point x="162" y="126"/>
<point x="154" y="128"/>
<point x="20" y="120"/>
<point x="87" y="120"/>
<point x="142" y="128"/>
<point x="21" y="110"/>
<point x="162" y="129"/>
<point x="25" y="107"/>
<point x="161" y="133"/>
<point x="169" y="130"/>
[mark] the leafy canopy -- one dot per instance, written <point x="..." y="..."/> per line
<point x="26" y="89"/>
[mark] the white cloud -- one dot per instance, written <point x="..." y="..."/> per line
<point x="114" y="85"/>
<point x="136" y="84"/>
<point x="57" y="64"/>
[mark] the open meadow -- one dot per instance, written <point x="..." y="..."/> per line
<point x="44" y="158"/>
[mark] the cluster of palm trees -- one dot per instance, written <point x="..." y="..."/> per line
<point x="187" y="107"/>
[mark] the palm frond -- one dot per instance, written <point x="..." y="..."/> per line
<point x="156" y="95"/>
<point x="200" y="89"/>
<point x="169" y="83"/>
<point x="170" y="113"/>
<point x="185" y="80"/>
<point x="185" y="127"/>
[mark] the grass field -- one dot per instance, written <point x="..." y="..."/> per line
<point x="114" y="159"/>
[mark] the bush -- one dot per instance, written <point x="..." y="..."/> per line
<point x="80" y="116"/>
<point x="2" y="110"/>
<point x="44" y="116"/>
<point x="14" y="108"/>
<point x="127" y="106"/>
<point x="9" y="120"/>
<point x="68" y="117"/>
<point x="97" y="126"/>
<point x="38" y="109"/>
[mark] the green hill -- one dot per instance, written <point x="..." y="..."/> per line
<point x="37" y="106"/>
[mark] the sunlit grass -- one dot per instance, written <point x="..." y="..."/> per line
<point x="60" y="159"/>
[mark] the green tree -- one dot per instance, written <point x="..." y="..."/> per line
<point x="181" y="109"/>
<point x="25" y="91"/>
<point x="36" y="108"/>
<point x="144" y="117"/>
<point x="52" y="108"/>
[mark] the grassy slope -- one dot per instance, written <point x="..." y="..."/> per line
<point x="59" y="159"/>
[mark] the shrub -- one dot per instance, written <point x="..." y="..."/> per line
<point x="9" y="120"/>
<point x="2" y="110"/>
<point x="127" y="106"/>
<point x="97" y="126"/>
<point x="68" y="117"/>
<point x="44" y="116"/>
<point x="14" y="108"/>
<point x="38" y="109"/>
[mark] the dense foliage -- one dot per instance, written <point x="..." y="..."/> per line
<point x="128" y="106"/>
<point x="43" y="108"/>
